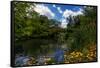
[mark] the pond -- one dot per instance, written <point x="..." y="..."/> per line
<point x="41" y="50"/>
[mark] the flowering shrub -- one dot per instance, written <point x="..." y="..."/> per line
<point x="78" y="56"/>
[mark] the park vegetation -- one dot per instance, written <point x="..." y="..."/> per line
<point x="80" y="33"/>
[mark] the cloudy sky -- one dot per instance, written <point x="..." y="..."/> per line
<point x="58" y="12"/>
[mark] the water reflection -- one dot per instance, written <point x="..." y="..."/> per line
<point x="39" y="52"/>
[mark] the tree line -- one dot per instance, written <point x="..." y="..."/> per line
<point x="80" y="31"/>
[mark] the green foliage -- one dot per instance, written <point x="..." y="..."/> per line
<point x="90" y="12"/>
<point x="29" y="23"/>
<point x="83" y="32"/>
<point x="80" y="31"/>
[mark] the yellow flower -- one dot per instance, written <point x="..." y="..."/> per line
<point x="66" y="62"/>
<point x="65" y="55"/>
<point x="91" y="54"/>
<point x="90" y="58"/>
<point x="71" y="57"/>
<point x="81" y="54"/>
<point x="76" y="55"/>
<point x="73" y="53"/>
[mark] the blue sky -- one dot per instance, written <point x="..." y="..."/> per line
<point x="58" y="15"/>
<point x="58" y="11"/>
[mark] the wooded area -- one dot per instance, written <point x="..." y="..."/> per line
<point x="79" y="36"/>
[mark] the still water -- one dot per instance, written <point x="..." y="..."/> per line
<point x="41" y="51"/>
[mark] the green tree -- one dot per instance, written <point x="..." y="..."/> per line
<point x="83" y="32"/>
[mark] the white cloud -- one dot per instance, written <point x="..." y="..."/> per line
<point x="44" y="10"/>
<point x="63" y="23"/>
<point x="54" y="5"/>
<point x="67" y="13"/>
<point x="59" y="9"/>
